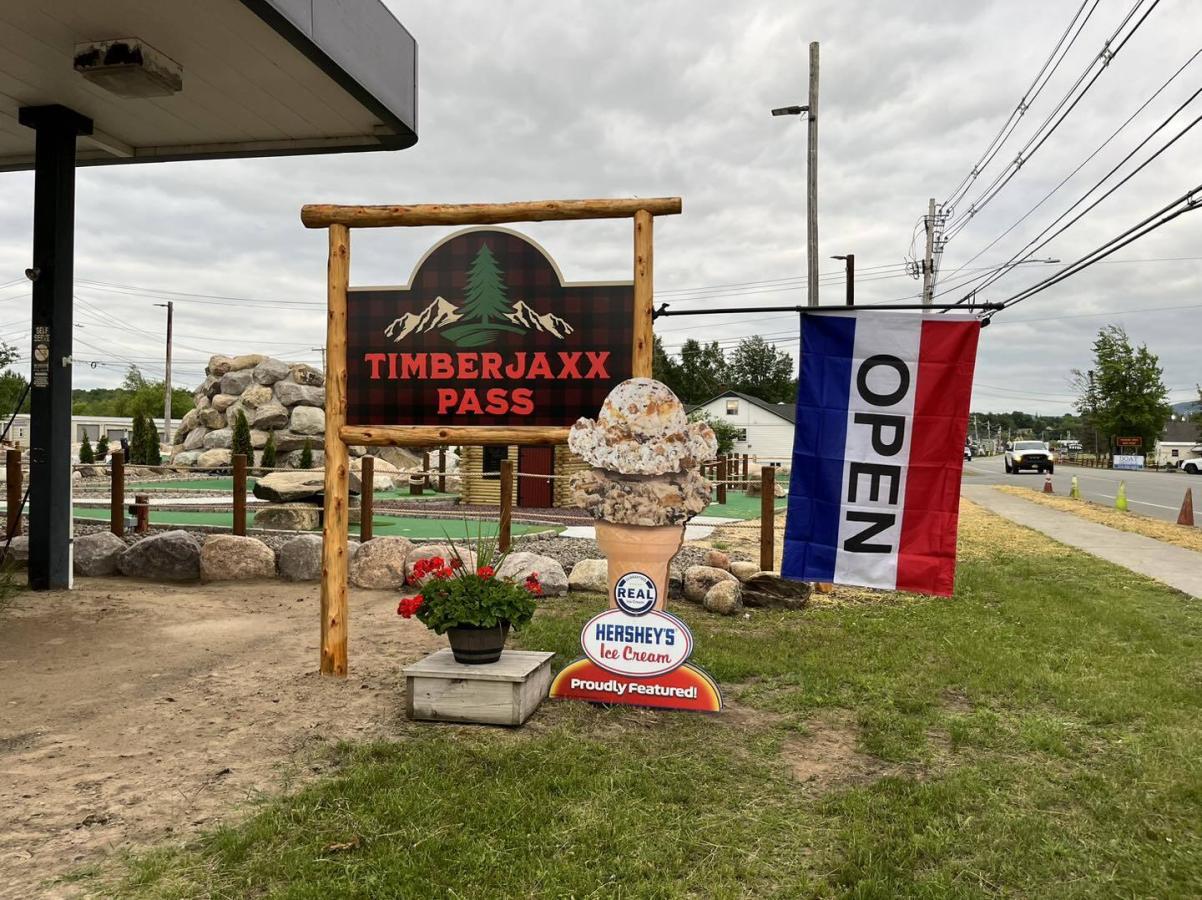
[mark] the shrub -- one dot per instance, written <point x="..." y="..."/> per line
<point x="241" y="439"/>
<point x="102" y="449"/>
<point x="268" y="459"/>
<point x="306" y="461"/>
<point x="86" y="454"/>
<point x="151" y="452"/>
<point x="137" y="441"/>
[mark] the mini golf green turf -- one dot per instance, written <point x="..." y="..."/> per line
<point x="227" y="484"/>
<point x="382" y="525"/>
<point x="739" y="506"/>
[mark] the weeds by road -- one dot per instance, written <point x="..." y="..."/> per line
<point x="1036" y="735"/>
<point x="1171" y="533"/>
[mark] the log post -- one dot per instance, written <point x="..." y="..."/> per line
<point x="427" y="481"/>
<point x="13" y="493"/>
<point x="442" y="470"/>
<point x="745" y="471"/>
<point x="334" y="560"/>
<point x="504" y="526"/>
<point x="141" y="511"/>
<point x="240" y="494"/>
<point x="641" y="359"/>
<point x="117" y="494"/>
<point x="367" y="488"/>
<point x="767" y="518"/>
<point x="722" y="480"/>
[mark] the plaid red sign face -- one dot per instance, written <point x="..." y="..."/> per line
<point x="486" y="334"/>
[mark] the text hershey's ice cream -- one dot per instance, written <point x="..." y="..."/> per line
<point x="645" y="454"/>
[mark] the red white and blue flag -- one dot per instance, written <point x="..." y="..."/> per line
<point x="882" y="415"/>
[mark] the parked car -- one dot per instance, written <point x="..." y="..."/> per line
<point x="1193" y="466"/>
<point x="1029" y="455"/>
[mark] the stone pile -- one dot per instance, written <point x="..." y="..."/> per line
<point x="280" y="398"/>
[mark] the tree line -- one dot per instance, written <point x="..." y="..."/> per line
<point x="703" y="371"/>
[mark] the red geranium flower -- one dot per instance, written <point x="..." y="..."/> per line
<point x="485" y="571"/>
<point x="533" y="585"/>
<point x="410" y="605"/>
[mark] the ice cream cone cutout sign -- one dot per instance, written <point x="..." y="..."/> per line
<point x="644" y="485"/>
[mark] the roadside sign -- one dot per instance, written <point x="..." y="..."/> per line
<point x="1126" y="461"/>
<point x="1129" y="441"/>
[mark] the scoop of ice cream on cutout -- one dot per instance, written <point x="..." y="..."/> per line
<point x="642" y="429"/>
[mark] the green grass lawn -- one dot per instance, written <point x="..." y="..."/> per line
<point x="1038" y="735"/>
<point x="382" y="525"/>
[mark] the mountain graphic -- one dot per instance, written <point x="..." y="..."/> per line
<point x="550" y="323"/>
<point x="440" y="312"/>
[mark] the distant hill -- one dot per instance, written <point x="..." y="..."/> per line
<point x="1185" y="407"/>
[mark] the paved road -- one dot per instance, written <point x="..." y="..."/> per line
<point x="1156" y="494"/>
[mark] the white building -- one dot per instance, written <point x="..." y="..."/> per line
<point x="115" y="428"/>
<point x="1180" y="440"/>
<point x="765" y="430"/>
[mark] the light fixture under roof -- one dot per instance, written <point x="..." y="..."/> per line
<point x="129" y="68"/>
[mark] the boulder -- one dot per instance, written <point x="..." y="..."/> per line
<point x="429" y="551"/>
<point x="550" y="573"/>
<point x="218" y="366"/>
<point x="307" y="420"/>
<point x="202" y="401"/>
<point x="288" y="517"/>
<point x="288" y="487"/>
<point x="725" y="598"/>
<point x="307" y="375"/>
<point x="190" y="420"/>
<point x="212" y="417"/>
<point x="246" y="361"/>
<point x="269" y="417"/>
<point x="221" y="403"/>
<point x="380" y="563"/>
<point x="286" y="441"/>
<point x="290" y="393"/>
<point x="269" y="371"/>
<point x="590" y="575"/>
<point x="257" y="395"/>
<point x="258" y="439"/>
<point x="97" y="554"/>
<point x="768" y="590"/>
<point x="222" y="438"/>
<point x="228" y="557"/>
<point x="195" y="439"/>
<point x="743" y="570"/>
<point x="718" y="560"/>
<point x="235" y="382"/>
<point x="170" y="556"/>
<point x="300" y="558"/>
<point x="231" y="413"/>
<point x="186" y="458"/>
<point x="214" y="459"/>
<point x="699" y="579"/>
<point x="18" y="550"/>
<point x="399" y="457"/>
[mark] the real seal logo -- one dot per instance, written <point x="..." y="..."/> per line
<point x="635" y="594"/>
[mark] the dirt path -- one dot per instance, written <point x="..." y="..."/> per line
<point x="131" y="713"/>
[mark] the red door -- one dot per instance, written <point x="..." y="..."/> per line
<point x="535" y="492"/>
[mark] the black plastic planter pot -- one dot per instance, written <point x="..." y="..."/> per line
<point x="477" y="646"/>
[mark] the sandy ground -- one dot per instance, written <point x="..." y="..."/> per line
<point x="131" y="713"/>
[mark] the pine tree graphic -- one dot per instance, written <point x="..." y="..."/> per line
<point x="485" y="304"/>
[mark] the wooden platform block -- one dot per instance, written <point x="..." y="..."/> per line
<point x="506" y="692"/>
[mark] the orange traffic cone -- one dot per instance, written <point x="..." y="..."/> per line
<point x="1047" y="484"/>
<point x="1186" y="516"/>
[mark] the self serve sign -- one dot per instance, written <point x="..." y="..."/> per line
<point x="642" y="646"/>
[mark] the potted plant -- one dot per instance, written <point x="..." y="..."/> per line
<point x="469" y="604"/>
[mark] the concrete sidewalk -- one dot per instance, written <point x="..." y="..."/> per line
<point x="1174" y="566"/>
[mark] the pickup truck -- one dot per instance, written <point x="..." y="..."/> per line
<point x="1029" y="455"/>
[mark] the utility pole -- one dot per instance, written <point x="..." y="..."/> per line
<point x="928" y="260"/>
<point x="170" y="306"/>
<point x="323" y="356"/>
<point x="812" y="182"/>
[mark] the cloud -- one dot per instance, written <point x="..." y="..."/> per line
<point x="529" y="100"/>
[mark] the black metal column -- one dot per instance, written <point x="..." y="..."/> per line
<point x="50" y="393"/>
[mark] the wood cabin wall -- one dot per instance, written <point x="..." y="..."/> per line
<point x="475" y="489"/>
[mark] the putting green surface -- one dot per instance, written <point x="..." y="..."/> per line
<point x="382" y="526"/>
<point x="739" y="506"/>
<point x="227" y="484"/>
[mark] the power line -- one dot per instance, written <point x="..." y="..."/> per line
<point x="1029" y="96"/>
<point x="1056" y="117"/>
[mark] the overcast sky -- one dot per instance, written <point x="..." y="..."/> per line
<point x="537" y="100"/>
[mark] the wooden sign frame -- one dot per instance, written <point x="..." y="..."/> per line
<point x="339" y="437"/>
